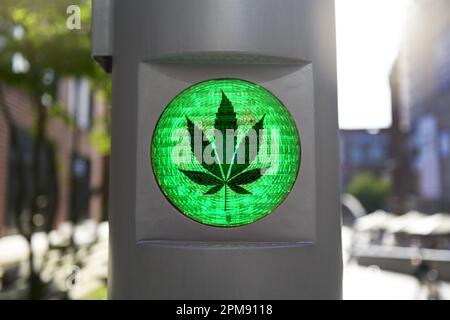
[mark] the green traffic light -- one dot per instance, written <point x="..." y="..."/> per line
<point x="226" y="152"/>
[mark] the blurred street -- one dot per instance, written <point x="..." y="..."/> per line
<point x="72" y="262"/>
<point x="360" y="282"/>
<point x="372" y="283"/>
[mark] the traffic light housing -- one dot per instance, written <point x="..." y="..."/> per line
<point x="181" y="67"/>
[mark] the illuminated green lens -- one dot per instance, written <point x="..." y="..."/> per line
<point x="225" y="152"/>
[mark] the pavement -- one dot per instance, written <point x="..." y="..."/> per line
<point x="76" y="270"/>
<point x="360" y="282"/>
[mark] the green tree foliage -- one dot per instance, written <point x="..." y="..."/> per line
<point x="35" y="32"/>
<point x="36" y="29"/>
<point x="370" y="190"/>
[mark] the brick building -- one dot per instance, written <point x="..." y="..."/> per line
<point x="423" y="75"/>
<point x="74" y="171"/>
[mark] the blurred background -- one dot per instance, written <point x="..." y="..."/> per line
<point x="394" y="114"/>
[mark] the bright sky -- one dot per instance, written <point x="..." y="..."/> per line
<point x="368" y="36"/>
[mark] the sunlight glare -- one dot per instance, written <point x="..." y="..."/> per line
<point x="368" y="38"/>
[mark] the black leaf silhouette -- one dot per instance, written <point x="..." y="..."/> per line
<point x="225" y="123"/>
<point x="215" y="189"/>
<point x="195" y="131"/>
<point x="204" y="179"/>
<point x="247" y="177"/>
<point x="226" y="171"/>
<point x="238" y="189"/>
<point x="250" y="153"/>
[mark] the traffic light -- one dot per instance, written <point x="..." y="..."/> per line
<point x="224" y="164"/>
<point x="216" y="185"/>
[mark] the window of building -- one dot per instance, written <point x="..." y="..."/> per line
<point x="79" y="102"/>
<point x="80" y="191"/>
<point x="444" y="142"/>
<point x="442" y="57"/>
<point x="21" y="181"/>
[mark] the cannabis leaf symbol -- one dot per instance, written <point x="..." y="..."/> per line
<point x="225" y="171"/>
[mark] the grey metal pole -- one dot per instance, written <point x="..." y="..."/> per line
<point x="156" y="49"/>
